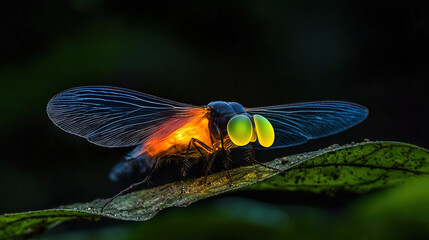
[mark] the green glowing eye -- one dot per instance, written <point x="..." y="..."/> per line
<point x="240" y="130"/>
<point x="264" y="130"/>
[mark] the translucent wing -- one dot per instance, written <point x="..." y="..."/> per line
<point x="297" y="123"/>
<point x="116" y="117"/>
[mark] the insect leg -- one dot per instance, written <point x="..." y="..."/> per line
<point x="131" y="187"/>
<point x="253" y="160"/>
<point x="208" y="166"/>
<point x="207" y="162"/>
<point x="202" y="144"/>
<point x="183" y="169"/>
<point x="185" y="163"/>
<point x="227" y="160"/>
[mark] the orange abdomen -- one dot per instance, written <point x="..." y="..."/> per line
<point x="177" y="141"/>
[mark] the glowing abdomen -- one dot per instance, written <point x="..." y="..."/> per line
<point x="178" y="141"/>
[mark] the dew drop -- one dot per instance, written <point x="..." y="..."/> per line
<point x="284" y="160"/>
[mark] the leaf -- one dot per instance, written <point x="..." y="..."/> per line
<point x="356" y="168"/>
<point x="30" y="223"/>
<point x="359" y="168"/>
<point x="394" y="213"/>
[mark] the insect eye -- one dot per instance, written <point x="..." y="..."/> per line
<point x="240" y="130"/>
<point x="264" y="130"/>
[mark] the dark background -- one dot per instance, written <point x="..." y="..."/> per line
<point x="258" y="53"/>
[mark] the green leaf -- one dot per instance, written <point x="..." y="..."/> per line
<point x="30" y="223"/>
<point x="358" y="168"/>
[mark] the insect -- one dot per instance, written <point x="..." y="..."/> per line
<point x="161" y="128"/>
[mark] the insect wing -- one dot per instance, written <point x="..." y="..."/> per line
<point x="116" y="117"/>
<point x="295" y="124"/>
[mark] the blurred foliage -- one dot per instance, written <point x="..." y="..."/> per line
<point x="359" y="168"/>
<point x="99" y="51"/>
